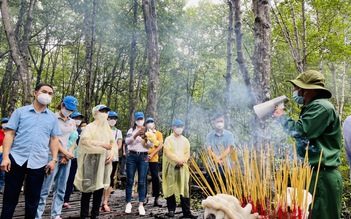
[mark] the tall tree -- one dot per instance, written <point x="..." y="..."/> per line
<point x="90" y="41"/>
<point x="261" y="57"/>
<point x="228" y="76"/>
<point x="236" y="4"/>
<point x="133" y="101"/>
<point x="150" y="19"/>
<point x="19" y="48"/>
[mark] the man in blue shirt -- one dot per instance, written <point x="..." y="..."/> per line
<point x="218" y="144"/>
<point x="219" y="139"/>
<point x="30" y="131"/>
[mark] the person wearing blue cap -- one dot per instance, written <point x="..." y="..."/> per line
<point x="31" y="132"/>
<point x="2" y="136"/>
<point x="112" y="121"/>
<point x="94" y="161"/>
<point x="139" y="142"/>
<point x="175" y="173"/>
<point x="153" y="161"/>
<point x="67" y="125"/>
<point x="72" y="147"/>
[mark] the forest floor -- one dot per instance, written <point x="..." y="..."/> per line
<point x="116" y="203"/>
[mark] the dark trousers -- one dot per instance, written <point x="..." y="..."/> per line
<point x="122" y="167"/>
<point x="113" y="173"/>
<point x="153" y="166"/>
<point x="84" y="203"/>
<point x="70" y="180"/>
<point x="13" y="183"/>
<point x="211" y="183"/>
<point x="184" y="202"/>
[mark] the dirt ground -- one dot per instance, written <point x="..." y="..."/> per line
<point x="116" y="203"/>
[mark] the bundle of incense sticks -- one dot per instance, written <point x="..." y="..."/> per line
<point x="274" y="188"/>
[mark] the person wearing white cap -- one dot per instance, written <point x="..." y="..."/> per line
<point x="67" y="125"/>
<point x="94" y="161"/>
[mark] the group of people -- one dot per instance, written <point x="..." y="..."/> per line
<point x="41" y="148"/>
<point x="41" y="145"/>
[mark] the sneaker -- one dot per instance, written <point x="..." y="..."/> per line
<point x="128" y="208"/>
<point x="141" y="210"/>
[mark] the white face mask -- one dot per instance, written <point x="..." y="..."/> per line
<point x="78" y="122"/>
<point x="219" y="125"/>
<point x="3" y="125"/>
<point x="44" y="99"/>
<point x="65" y="112"/>
<point x="178" y="131"/>
<point x="101" y="116"/>
<point x="150" y="125"/>
<point x="112" y="122"/>
<point x="139" y="122"/>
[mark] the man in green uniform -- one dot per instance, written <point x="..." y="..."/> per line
<point x="317" y="130"/>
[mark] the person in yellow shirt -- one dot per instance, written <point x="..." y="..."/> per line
<point x="175" y="174"/>
<point x="153" y="161"/>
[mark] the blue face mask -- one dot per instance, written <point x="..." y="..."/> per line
<point x="297" y="98"/>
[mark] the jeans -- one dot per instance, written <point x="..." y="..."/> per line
<point x="2" y="176"/>
<point x="134" y="162"/>
<point x="70" y="180"/>
<point x="60" y="176"/>
<point x="13" y="183"/>
<point x="155" y="179"/>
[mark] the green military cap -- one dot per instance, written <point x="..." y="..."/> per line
<point x="311" y="79"/>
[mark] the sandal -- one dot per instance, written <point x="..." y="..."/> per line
<point x="105" y="208"/>
<point x="66" y="205"/>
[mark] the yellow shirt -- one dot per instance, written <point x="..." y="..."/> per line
<point x="159" y="138"/>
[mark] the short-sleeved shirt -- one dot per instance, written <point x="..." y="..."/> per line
<point x="216" y="141"/>
<point x="159" y="138"/>
<point x="67" y="127"/>
<point x="117" y="134"/>
<point x="32" y="135"/>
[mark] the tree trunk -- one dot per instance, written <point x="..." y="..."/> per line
<point x="150" y="19"/>
<point x="5" y="88"/>
<point x="89" y="35"/>
<point x="335" y="86"/>
<point x="261" y="57"/>
<point x="240" y="53"/>
<point x="289" y="38"/>
<point x="132" y="100"/>
<point x="40" y="68"/>
<point x="228" y="76"/>
<point x="19" y="50"/>
<point x="342" y="101"/>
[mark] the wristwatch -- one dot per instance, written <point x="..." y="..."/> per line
<point x="55" y="160"/>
